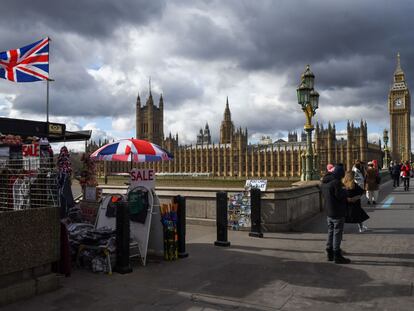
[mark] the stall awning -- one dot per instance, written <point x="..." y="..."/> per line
<point x="55" y="132"/>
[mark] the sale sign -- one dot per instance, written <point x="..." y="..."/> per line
<point x="142" y="177"/>
<point x="30" y="150"/>
<point x="31" y="156"/>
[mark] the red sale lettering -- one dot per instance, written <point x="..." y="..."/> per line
<point x="142" y="175"/>
<point x="30" y="150"/>
<point x="35" y="150"/>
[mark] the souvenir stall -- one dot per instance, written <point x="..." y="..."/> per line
<point x="27" y="178"/>
<point x="29" y="206"/>
<point x="146" y="228"/>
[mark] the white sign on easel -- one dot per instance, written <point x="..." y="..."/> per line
<point x="142" y="177"/>
<point x="148" y="235"/>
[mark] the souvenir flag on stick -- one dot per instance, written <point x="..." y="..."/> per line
<point x="27" y="64"/>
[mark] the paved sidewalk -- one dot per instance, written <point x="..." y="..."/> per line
<point x="282" y="271"/>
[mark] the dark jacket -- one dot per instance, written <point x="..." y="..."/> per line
<point x="334" y="196"/>
<point x="355" y="212"/>
<point x="395" y="170"/>
<point x="372" y="179"/>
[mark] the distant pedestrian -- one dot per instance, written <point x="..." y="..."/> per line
<point x="335" y="204"/>
<point x="359" y="177"/>
<point x="355" y="213"/>
<point x="405" y="174"/>
<point x="395" y="173"/>
<point x="372" y="181"/>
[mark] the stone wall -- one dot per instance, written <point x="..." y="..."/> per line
<point x="29" y="244"/>
<point x="281" y="208"/>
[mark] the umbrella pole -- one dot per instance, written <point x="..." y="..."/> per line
<point x="131" y="161"/>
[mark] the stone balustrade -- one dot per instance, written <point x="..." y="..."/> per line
<point x="282" y="208"/>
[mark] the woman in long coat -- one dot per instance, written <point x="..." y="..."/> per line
<point x="372" y="181"/>
<point x="355" y="215"/>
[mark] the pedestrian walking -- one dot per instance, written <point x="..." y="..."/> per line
<point x="372" y="181"/>
<point x="335" y="204"/>
<point x="355" y="213"/>
<point x="395" y="173"/>
<point x="359" y="177"/>
<point x="405" y="174"/>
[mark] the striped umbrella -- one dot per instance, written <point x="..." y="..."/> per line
<point x="131" y="149"/>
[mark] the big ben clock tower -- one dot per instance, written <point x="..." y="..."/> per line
<point x="399" y="106"/>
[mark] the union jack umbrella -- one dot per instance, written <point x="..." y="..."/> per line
<point x="27" y="64"/>
<point x="131" y="149"/>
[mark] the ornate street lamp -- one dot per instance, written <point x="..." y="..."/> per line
<point x="402" y="149"/>
<point x="308" y="99"/>
<point x="386" y="150"/>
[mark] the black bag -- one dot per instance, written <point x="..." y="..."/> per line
<point x="112" y="206"/>
<point x="138" y="205"/>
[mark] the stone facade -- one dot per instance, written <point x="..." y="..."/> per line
<point x="399" y="107"/>
<point x="234" y="157"/>
<point x="150" y="120"/>
<point x="204" y="137"/>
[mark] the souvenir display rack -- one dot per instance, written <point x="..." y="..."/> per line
<point x="27" y="177"/>
<point x="239" y="210"/>
<point x="169" y="221"/>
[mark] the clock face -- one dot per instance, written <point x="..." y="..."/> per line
<point x="398" y="103"/>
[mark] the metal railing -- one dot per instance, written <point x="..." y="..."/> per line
<point x="28" y="183"/>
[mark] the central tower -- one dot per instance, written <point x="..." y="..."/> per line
<point x="227" y="127"/>
<point x="150" y="120"/>
<point x="399" y="107"/>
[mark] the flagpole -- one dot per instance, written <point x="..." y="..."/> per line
<point x="47" y="101"/>
<point x="47" y="84"/>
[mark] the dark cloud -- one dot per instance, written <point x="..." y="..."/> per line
<point x="180" y="91"/>
<point x="103" y="52"/>
<point x="95" y="19"/>
<point x="350" y="43"/>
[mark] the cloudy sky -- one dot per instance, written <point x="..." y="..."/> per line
<point x="199" y="52"/>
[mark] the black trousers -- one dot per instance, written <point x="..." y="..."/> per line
<point x="406" y="183"/>
<point x="396" y="179"/>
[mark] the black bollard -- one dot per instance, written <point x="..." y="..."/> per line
<point x="181" y="223"/>
<point x="256" y="210"/>
<point x="221" y="219"/>
<point x="122" y="238"/>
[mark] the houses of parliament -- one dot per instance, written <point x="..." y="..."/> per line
<point x="234" y="156"/>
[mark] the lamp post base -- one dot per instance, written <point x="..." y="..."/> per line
<point x="222" y="243"/>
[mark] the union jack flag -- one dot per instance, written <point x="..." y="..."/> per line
<point x="27" y="64"/>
